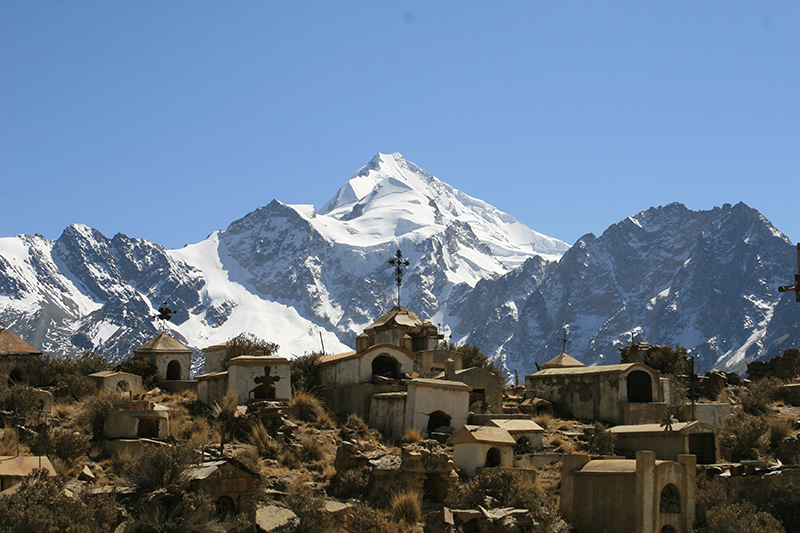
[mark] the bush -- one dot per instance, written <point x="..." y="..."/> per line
<point x="472" y="356"/>
<point x="141" y="366"/>
<point x="352" y="483"/>
<point x="406" y="506"/>
<point x="94" y="412"/>
<point x="307" y="407"/>
<point x="20" y="399"/>
<point x="780" y="428"/>
<point x="741" y="518"/>
<point x="305" y="373"/>
<point x="743" y="437"/>
<point x="248" y="344"/>
<point x="193" y="513"/>
<point x="368" y="520"/>
<point x="40" y="505"/>
<point x="309" y="506"/>
<point x="601" y="441"/>
<point x="758" y="395"/>
<point x="157" y="467"/>
<point x="65" y="445"/>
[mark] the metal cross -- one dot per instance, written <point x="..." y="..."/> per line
<point x="398" y="263"/>
<point x="564" y="340"/>
<point x="796" y="287"/>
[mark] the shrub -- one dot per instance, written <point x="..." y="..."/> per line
<point x="368" y="520"/>
<point x="248" y="344"/>
<point x="264" y="443"/>
<point x="355" y="428"/>
<point x="780" y="428"/>
<point x="157" y="467"/>
<point x="65" y="445"/>
<point x="743" y="437"/>
<point x="193" y="513"/>
<point x="309" y="506"/>
<point x="406" y="506"/>
<point x="472" y="356"/>
<point x="94" y="412"/>
<point x="307" y="407"/>
<point x="352" y="483"/>
<point x="19" y="398"/>
<point x="305" y="373"/>
<point x="40" y="505"/>
<point x="141" y="366"/>
<point x="756" y="397"/>
<point x="601" y="441"/>
<point x="741" y="518"/>
<point x="225" y="416"/>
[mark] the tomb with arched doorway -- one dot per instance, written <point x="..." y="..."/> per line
<point x="172" y="359"/>
<point x="476" y="447"/>
<point x="229" y="483"/>
<point x="622" y="495"/>
<point x="629" y="393"/>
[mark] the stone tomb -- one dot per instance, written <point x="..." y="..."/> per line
<point x="476" y="447"/>
<point x="14" y="354"/>
<point x="173" y="359"/>
<point x="624" y="495"/>
<point x="117" y="381"/>
<point x="695" y="438"/>
<point x="630" y="393"/>
<point x="520" y="429"/>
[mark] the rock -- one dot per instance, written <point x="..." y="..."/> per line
<point x="275" y="519"/>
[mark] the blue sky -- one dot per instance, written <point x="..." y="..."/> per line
<point x="169" y="120"/>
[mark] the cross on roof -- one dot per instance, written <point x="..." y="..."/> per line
<point x="796" y="287"/>
<point x="398" y="263"/>
<point x="564" y="340"/>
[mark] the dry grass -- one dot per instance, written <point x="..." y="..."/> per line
<point x="249" y="458"/>
<point x="413" y="435"/>
<point x="65" y="411"/>
<point x="307" y="407"/>
<point x="406" y="506"/>
<point x="544" y="419"/>
<point x="724" y="396"/>
<point x="265" y="445"/>
<point x="779" y="428"/>
<point x="198" y="433"/>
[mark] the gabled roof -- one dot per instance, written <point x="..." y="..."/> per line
<point x="206" y="469"/>
<point x="516" y="424"/>
<point x="482" y="434"/>
<point x="23" y="465"/>
<point x="162" y="343"/>
<point x="10" y="344"/>
<point x="562" y="360"/>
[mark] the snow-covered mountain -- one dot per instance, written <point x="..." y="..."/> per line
<point x="300" y="277"/>
<point x="705" y="280"/>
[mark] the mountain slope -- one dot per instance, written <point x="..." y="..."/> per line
<point x="705" y="280"/>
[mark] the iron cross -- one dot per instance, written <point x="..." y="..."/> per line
<point x="398" y="263"/>
<point x="796" y="287"/>
<point x="564" y="340"/>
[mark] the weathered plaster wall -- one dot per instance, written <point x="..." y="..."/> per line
<point x="387" y="413"/>
<point x="470" y="456"/>
<point x="424" y="399"/>
<point x="243" y="371"/>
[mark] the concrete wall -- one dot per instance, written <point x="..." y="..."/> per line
<point x="470" y="456"/>
<point x="356" y="398"/>
<point x="365" y="362"/>
<point x="713" y="414"/>
<point x="424" y="399"/>
<point x="243" y="371"/>
<point x="387" y="413"/>
<point x="127" y="424"/>
<point x="119" y="382"/>
<point x="478" y="378"/>
<point x="212" y="389"/>
<point x="162" y="361"/>
<point x="613" y="498"/>
<point x="592" y="396"/>
<point x="642" y="413"/>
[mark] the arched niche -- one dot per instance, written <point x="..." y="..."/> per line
<point x="670" y="499"/>
<point x="386" y="366"/>
<point x="493" y="457"/>
<point x="174" y="370"/>
<point x="436" y="420"/>
<point x="640" y="387"/>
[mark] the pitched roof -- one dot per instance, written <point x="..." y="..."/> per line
<point x="162" y="343"/>
<point x="677" y="427"/>
<point x="397" y="316"/>
<point x="601" y="369"/>
<point x="482" y="434"/>
<point x="515" y="424"/>
<point x="562" y="360"/>
<point x="10" y="344"/>
<point x="23" y="465"/>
